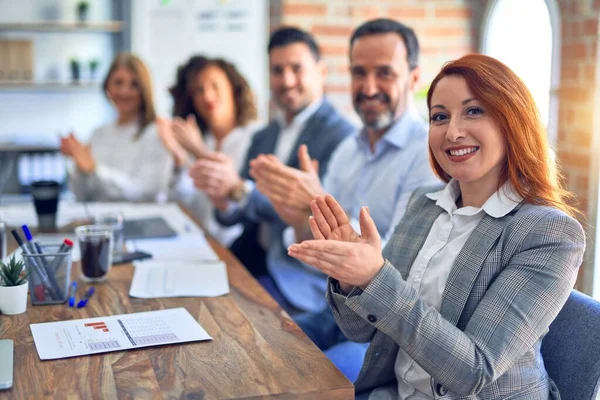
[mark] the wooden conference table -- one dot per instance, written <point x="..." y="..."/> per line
<point x="257" y="350"/>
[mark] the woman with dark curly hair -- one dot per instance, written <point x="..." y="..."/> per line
<point x="214" y="111"/>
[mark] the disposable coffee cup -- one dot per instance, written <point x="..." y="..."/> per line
<point x="45" y="199"/>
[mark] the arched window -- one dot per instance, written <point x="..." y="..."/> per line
<point x="525" y="35"/>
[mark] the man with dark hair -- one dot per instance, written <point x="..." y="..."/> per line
<point x="290" y="35"/>
<point x="296" y="79"/>
<point x="379" y="167"/>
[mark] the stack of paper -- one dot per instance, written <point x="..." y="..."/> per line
<point x="180" y="248"/>
<point x="184" y="266"/>
<point x="179" y="279"/>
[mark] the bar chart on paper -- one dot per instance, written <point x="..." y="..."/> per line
<point x="118" y="332"/>
<point x="100" y="343"/>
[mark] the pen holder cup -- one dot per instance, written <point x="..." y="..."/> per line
<point x="49" y="274"/>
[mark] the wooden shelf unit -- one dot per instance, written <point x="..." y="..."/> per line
<point x="50" y="86"/>
<point x="63" y="26"/>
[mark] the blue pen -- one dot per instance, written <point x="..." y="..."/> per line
<point x="83" y="302"/>
<point x="72" y="294"/>
<point x="34" y="246"/>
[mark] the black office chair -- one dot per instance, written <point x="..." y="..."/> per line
<point x="571" y="349"/>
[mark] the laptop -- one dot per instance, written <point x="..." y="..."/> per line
<point x="147" y="228"/>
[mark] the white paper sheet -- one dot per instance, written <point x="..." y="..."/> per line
<point x="181" y="248"/>
<point x="155" y="279"/>
<point x="115" y="333"/>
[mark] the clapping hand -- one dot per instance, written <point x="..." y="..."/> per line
<point x="80" y="153"/>
<point x="167" y="136"/>
<point x="215" y="175"/>
<point x="339" y="251"/>
<point x="298" y="219"/>
<point x="290" y="187"/>
<point x="188" y="134"/>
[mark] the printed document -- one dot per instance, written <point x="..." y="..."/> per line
<point x="154" y="279"/>
<point x="81" y="337"/>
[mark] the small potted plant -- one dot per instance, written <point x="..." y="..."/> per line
<point x="82" y="10"/>
<point x="94" y="63"/>
<point x="75" y="70"/>
<point x="13" y="287"/>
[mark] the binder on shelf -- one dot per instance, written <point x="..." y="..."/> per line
<point x="16" y="60"/>
<point x="3" y="59"/>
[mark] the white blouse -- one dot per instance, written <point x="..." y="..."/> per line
<point x="235" y="145"/>
<point x="431" y="268"/>
<point x="127" y="169"/>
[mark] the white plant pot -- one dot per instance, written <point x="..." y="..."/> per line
<point x="13" y="299"/>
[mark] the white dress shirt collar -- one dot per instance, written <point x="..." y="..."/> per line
<point x="301" y="117"/>
<point x="497" y="205"/>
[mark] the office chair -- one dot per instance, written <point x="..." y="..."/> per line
<point x="571" y="349"/>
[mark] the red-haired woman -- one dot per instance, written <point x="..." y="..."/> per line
<point x="465" y="290"/>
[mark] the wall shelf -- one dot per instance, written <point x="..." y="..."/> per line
<point x="63" y="26"/>
<point x="49" y="86"/>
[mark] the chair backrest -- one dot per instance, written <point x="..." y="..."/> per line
<point x="571" y="349"/>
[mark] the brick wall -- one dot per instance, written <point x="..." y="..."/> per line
<point x="578" y="121"/>
<point x="446" y="29"/>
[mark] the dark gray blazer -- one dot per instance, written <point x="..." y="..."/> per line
<point x="507" y="285"/>
<point x="322" y="133"/>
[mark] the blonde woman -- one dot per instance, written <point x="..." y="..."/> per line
<point x="124" y="159"/>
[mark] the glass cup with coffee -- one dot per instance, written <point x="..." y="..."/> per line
<point x="96" y="247"/>
<point x="115" y="221"/>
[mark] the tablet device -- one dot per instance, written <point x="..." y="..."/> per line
<point x="147" y="228"/>
<point x="125" y="258"/>
<point x="6" y="363"/>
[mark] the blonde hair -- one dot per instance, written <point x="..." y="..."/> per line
<point x="142" y="75"/>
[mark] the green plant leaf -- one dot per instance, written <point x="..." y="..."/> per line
<point x="5" y="279"/>
<point x="11" y="272"/>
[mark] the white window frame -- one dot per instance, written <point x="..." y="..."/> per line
<point x="554" y="13"/>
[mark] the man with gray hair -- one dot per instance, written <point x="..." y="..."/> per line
<point x="380" y="167"/>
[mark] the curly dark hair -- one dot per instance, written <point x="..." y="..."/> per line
<point x="245" y="104"/>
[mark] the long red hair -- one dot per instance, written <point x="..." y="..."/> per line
<point x="529" y="166"/>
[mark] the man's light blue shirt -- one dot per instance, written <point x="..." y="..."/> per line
<point x="382" y="179"/>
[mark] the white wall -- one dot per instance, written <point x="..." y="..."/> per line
<point x="166" y="34"/>
<point x="36" y="115"/>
